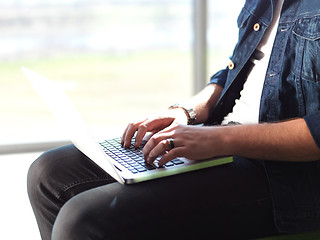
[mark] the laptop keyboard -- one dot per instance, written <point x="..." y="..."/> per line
<point x="132" y="158"/>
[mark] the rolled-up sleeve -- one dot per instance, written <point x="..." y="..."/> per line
<point x="313" y="123"/>
<point x="219" y="78"/>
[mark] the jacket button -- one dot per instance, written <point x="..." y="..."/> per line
<point x="256" y="27"/>
<point x="231" y="65"/>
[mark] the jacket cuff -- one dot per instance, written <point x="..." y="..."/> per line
<point x="313" y="121"/>
<point x="219" y="78"/>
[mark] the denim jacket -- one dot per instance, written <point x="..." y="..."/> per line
<point x="291" y="89"/>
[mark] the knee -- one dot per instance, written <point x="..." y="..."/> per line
<point x="92" y="215"/>
<point x="76" y="220"/>
<point x="43" y="171"/>
<point x="38" y="171"/>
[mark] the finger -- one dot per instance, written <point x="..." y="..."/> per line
<point x="172" y="154"/>
<point x="149" y="125"/>
<point x="141" y="132"/>
<point x="169" y="129"/>
<point x="160" y="149"/>
<point x="129" y="133"/>
<point x="152" y="143"/>
<point x="124" y="135"/>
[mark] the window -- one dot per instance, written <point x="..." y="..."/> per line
<point x="222" y="32"/>
<point x="117" y="60"/>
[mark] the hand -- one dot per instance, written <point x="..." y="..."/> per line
<point x="193" y="142"/>
<point x="153" y="124"/>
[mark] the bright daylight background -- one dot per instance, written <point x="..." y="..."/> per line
<point x="118" y="60"/>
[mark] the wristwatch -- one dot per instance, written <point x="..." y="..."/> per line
<point x="189" y="111"/>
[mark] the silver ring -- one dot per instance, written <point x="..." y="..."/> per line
<point x="171" y="143"/>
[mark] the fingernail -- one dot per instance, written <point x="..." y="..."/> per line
<point x="149" y="160"/>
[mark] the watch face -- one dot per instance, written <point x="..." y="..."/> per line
<point x="192" y="115"/>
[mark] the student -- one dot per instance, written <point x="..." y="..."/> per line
<point x="263" y="109"/>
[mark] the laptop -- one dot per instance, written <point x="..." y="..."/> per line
<point x="127" y="166"/>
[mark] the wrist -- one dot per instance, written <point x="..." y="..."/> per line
<point x="188" y="111"/>
<point x="238" y="139"/>
<point x="179" y="115"/>
<point x="221" y="134"/>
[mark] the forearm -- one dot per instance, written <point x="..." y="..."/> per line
<point x="284" y="141"/>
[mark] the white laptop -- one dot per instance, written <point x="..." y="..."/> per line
<point x="127" y="166"/>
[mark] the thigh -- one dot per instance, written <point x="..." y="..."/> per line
<point x="229" y="201"/>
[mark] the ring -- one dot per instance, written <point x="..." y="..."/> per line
<point x="171" y="143"/>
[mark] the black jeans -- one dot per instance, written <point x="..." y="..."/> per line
<point x="73" y="198"/>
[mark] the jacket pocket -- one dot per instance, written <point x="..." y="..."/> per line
<point x="307" y="31"/>
<point x="308" y="28"/>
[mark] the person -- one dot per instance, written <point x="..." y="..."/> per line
<point x="263" y="109"/>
